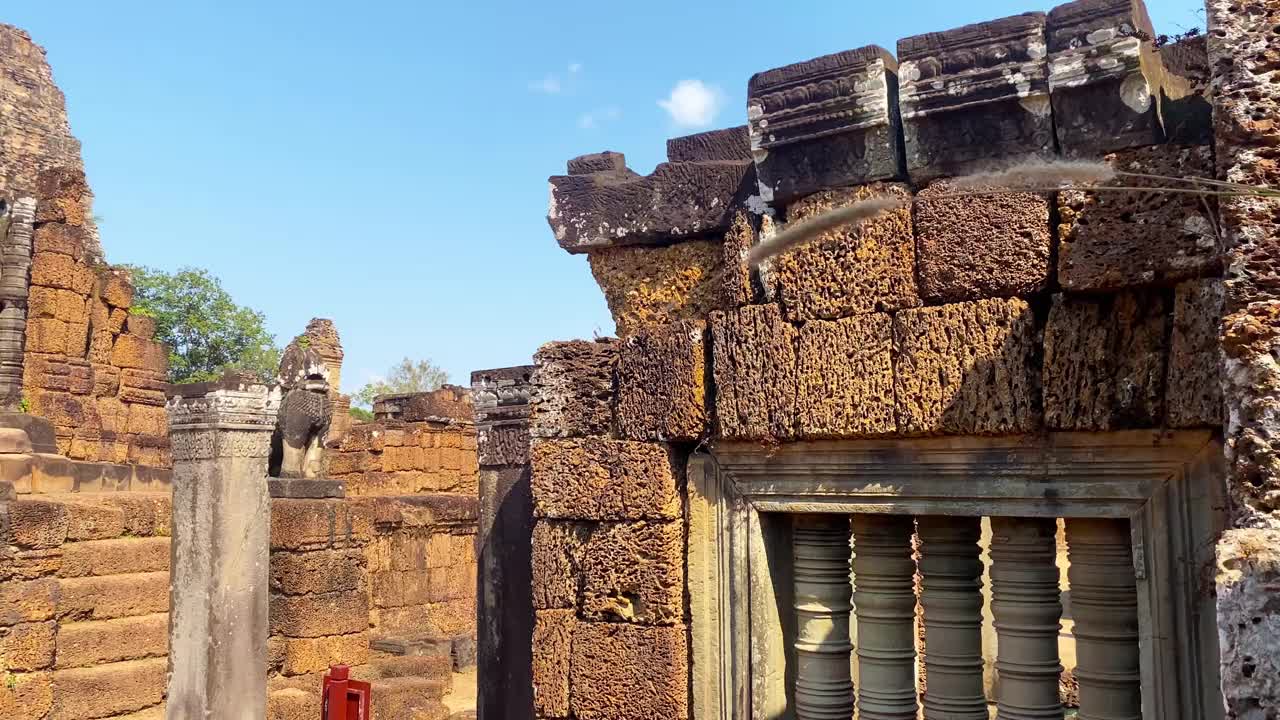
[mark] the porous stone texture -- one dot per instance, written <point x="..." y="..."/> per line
<point x="975" y="95"/>
<point x="634" y="572"/>
<point x="847" y="271"/>
<point x="628" y="672"/>
<point x="736" y="286"/>
<point x="572" y="389"/>
<point x="552" y="645"/>
<point x="1104" y="361"/>
<point x="601" y="203"/>
<point x="1194" y="386"/>
<point x="974" y="247"/>
<point x="825" y="122"/>
<point x="1113" y="240"/>
<point x="597" y="479"/>
<point x="1184" y="102"/>
<point x="645" y="287"/>
<point x="754" y="367"/>
<point x="557" y="563"/>
<point x="845" y="378"/>
<point x="967" y="368"/>
<point x="1248" y="592"/>
<point x="662" y="383"/>
<point x="393" y="457"/>
<point x="1246" y="115"/>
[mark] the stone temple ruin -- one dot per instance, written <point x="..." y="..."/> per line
<point x="149" y="568"/>
<point x="1008" y="452"/>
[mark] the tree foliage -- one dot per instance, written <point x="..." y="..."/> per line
<point x="206" y="331"/>
<point x="360" y="414"/>
<point x="407" y="376"/>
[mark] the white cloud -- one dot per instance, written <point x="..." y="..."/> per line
<point x="549" y="85"/>
<point x="693" y="103"/>
<point x="593" y="119"/>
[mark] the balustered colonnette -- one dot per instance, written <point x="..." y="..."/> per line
<point x="1026" y="605"/>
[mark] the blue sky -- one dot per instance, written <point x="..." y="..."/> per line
<point x="384" y="163"/>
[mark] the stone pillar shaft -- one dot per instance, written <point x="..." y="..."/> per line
<point x="824" y="687"/>
<point x="1027" y="606"/>
<point x="885" y="602"/>
<point x="1104" y="604"/>
<point x="951" y="596"/>
<point x="221" y="433"/>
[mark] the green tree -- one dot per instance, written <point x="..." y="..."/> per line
<point x="406" y="377"/>
<point x="360" y="414"/>
<point x="206" y="331"/>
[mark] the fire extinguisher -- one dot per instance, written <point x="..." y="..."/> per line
<point x="343" y="698"/>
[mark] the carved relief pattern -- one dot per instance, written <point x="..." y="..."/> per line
<point x="829" y="95"/>
<point x="16" y="223"/>
<point x="212" y="443"/>
<point x="253" y="405"/>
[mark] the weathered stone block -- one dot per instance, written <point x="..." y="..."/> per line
<point x="116" y="290"/>
<point x="975" y="95"/>
<point x="312" y="655"/>
<point x="113" y="596"/>
<point x="573" y="384"/>
<point x="316" y="524"/>
<point x="94" y="521"/>
<point x="61" y="238"/>
<point x="319" y="615"/>
<point x="1104" y="77"/>
<point x="1194" y="388"/>
<point x="824" y="123"/>
<point x="1111" y="240"/>
<point x="65" y="305"/>
<point x="556" y="562"/>
<point x="1104" y="361"/>
<point x="975" y="247"/>
<point x="662" y="383"/>
<point x="131" y="351"/>
<point x="316" y="572"/>
<point x="108" y="690"/>
<point x="552" y="646"/>
<point x="25" y="602"/>
<point x="848" y="271"/>
<point x="27" y="695"/>
<point x="967" y="368"/>
<point x="37" y="524"/>
<point x="85" y="644"/>
<point x="61" y="271"/>
<point x="115" y="557"/>
<point x="634" y="572"/>
<point x="628" y="672"/>
<point x="28" y="646"/>
<point x="601" y="203"/>
<point x="652" y="286"/>
<point x="754" y="366"/>
<point x="1184" y="99"/>
<point x="1248" y="583"/>
<point x="845" y="378"/>
<point x="592" y="479"/>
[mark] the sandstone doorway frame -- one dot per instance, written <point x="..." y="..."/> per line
<point x="1168" y="484"/>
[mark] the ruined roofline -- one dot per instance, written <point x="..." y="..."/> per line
<point x="1080" y="81"/>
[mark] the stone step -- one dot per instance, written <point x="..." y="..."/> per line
<point x="424" y="666"/>
<point x="460" y="648"/>
<point x="398" y="698"/>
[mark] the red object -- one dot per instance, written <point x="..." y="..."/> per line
<point x="343" y="698"/>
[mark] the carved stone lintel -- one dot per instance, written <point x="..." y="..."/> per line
<point x="824" y="123"/>
<point x="1104" y="605"/>
<point x="1105" y="76"/>
<point x="600" y="203"/>
<point x="824" y="686"/>
<point x="1028" y="610"/>
<point x="885" y="602"/>
<point x="975" y="95"/>
<point x="951" y="595"/>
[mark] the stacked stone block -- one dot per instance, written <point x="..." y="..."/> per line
<point x="609" y="638"/>
<point x="396" y="457"/>
<point x="84" y="583"/>
<point x="999" y="312"/>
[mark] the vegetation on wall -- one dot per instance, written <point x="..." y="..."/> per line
<point x="206" y="331"/>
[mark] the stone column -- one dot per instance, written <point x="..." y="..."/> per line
<point x="884" y="595"/>
<point x="1027" y="607"/>
<point x="1104" y="604"/>
<point x="951" y="595"/>
<point x="17" y="220"/>
<point x="824" y="688"/>
<point x="221" y="434"/>
<point x="504" y="541"/>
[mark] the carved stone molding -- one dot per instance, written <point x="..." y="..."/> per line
<point x="1168" y="486"/>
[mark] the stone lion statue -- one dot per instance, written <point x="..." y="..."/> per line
<point x="297" y="446"/>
